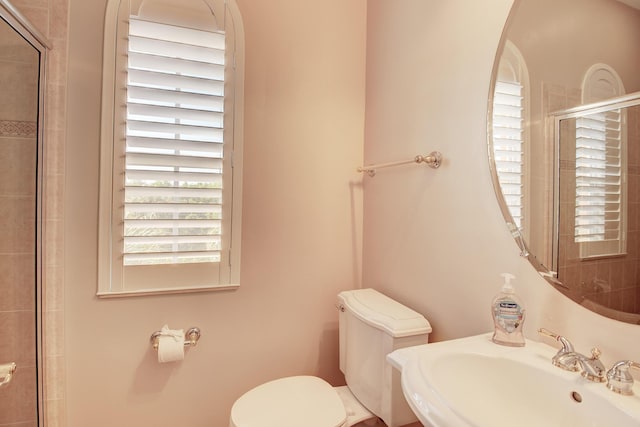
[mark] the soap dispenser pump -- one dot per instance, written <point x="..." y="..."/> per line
<point x="508" y="315"/>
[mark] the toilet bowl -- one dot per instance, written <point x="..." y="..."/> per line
<point x="300" y="401"/>
<point x="371" y="325"/>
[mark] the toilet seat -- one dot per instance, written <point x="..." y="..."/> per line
<point x="290" y="402"/>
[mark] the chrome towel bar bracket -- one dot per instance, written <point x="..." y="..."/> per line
<point x="433" y="160"/>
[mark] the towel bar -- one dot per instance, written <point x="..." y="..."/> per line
<point x="433" y="160"/>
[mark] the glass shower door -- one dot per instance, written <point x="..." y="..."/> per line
<point x="19" y="243"/>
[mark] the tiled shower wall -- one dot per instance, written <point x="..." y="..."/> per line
<point x="616" y="278"/>
<point x="18" y="139"/>
<point x="608" y="281"/>
<point x="50" y="17"/>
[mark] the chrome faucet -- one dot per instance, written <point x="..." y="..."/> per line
<point x="567" y="358"/>
<point x="590" y="367"/>
<point x="619" y="379"/>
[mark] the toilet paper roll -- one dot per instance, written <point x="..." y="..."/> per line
<point x="170" y="348"/>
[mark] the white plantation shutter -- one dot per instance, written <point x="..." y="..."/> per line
<point x="508" y="145"/>
<point x="600" y="224"/>
<point x="599" y="177"/>
<point x="170" y="216"/>
<point x="174" y="145"/>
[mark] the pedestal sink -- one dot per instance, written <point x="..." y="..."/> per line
<point x="472" y="382"/>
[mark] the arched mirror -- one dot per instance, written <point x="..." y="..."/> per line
<point x="564" y="146"/>
<point x="22" y="65"/>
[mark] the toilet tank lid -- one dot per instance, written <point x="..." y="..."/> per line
<point x="380" y="311"/>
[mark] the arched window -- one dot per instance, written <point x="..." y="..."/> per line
<point x="600" y="167"/>
<point x="510" y="112"/>
<point x="171" y="146"/>
<point x="600" y="83"/>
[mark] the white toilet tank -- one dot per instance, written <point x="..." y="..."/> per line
<point x="373" y="325"/>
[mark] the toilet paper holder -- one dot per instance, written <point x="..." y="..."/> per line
<point x="191" y="337"/>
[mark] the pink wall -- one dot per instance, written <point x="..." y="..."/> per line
<point x="436" y="239"/>
<point x="304" y="121"/>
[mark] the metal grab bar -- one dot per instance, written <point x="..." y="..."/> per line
<point x="433" y="160"/>
<point x="8" y="369"/>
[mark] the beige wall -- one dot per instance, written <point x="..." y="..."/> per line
<point x="436" y="239"/>
<point x="304" y="117"/>
<point x="432" y="239"/>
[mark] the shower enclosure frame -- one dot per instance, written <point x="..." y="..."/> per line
<point x="22" y="26"/>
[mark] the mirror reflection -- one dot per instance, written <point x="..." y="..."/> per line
<point x="599" y="149"/>
<point x="567" y="195"/>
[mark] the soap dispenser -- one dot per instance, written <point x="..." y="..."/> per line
<point x="508" y="315"/>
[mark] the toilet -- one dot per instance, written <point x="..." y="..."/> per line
<point x="371" y="325"/>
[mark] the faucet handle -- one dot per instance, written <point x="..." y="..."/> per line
<point x="593" y="369"/>
<point x="619" y="380"/>
<point x="565" y="357"/>
<point x="567" y="347"/>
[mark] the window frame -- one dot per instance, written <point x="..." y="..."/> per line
<point x="190" y="277"/>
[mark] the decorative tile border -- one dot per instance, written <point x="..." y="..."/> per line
<point x="18" y="128"/>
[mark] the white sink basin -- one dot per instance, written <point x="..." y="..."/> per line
<point x="472" y="382"/>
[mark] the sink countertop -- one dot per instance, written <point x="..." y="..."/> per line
<point x="441" y="388"/>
